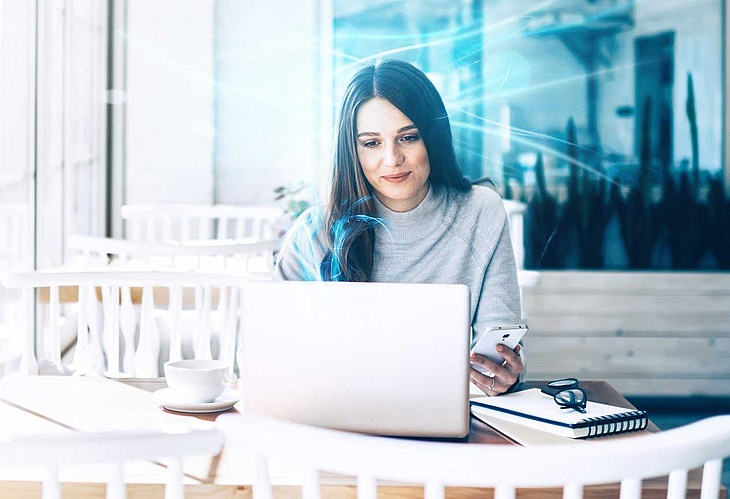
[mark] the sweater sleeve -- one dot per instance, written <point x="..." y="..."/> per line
<point x="499" y="299"/>
<point x="303" y="249"/>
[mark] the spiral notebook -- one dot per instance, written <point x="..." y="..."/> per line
<point x="537" y="410"/>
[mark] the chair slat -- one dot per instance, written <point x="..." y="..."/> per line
<point x="167" y="229"/>
<point x="434" y="490"/>
<point x="83" y="322"/>
<point x="711" y="473"/>
<point x="202" y="347"/>
<point x="630" y="488"/>
<point x="240" y="228"/>
<point x="148" y="347"/>
<point x="311" y="485"/>
<point x="151" y="229"/>
<point x="262" y="484"/>
<point x="222" y="228"/>
<point x="52" y="344"/>
<point x="175" y="308"/>
<point x="175" y="488"/>
<point x="185" y="228"/>
<point x="508" y="492"/>
<point x="230" y="328"/>
<point x="28" y="362"/>
<point x="367" y="487"/>
<point x="128" y="325"/>
<point x="115" y="488"/>
<point x="112" y="333"/>
<point x="677" y="485"/>
<point x="51" y="485"/>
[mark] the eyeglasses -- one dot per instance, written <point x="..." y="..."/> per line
<point x="567" y="394"/>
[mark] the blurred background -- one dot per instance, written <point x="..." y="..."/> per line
<point x="607" y="119"/>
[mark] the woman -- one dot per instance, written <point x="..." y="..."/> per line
<point x="401" y="211"/>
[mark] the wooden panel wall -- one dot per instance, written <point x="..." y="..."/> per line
<point x="646" y="333"/>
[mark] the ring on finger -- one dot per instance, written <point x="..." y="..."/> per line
<point x="489" y="373"/>
<point x="491" y="387"/>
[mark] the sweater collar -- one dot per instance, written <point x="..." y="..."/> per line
<point x="416" y="223"/>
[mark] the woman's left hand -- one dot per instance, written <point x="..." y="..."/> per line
<point x="504" y="376"/>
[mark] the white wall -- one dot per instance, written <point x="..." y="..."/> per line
<point x="170" y="97"/>
<point x="646" y="333"/>
<point x="269" y="98"/>
<point x="17" y="52"/>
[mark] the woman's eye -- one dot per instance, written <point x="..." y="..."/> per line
<point x="370" y="143"/>
<point x="410" y="138"/>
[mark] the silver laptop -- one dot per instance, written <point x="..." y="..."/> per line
<point x="384" y="359"/>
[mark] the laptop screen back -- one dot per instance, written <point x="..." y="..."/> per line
<point x="379" y="358"/>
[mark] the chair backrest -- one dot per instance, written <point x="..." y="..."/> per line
<point x="240" y="256"/>
<point x="53" y="452"/>
<point x="121" y="315"/>
<point x="184" y="222"/>
<point x="515" y="217"/>
<point x="16" y="253"/>
<point x="436" y="465"/>
<point x="15" y="235"/>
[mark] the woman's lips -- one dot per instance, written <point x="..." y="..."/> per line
<point x="396" y="178"/>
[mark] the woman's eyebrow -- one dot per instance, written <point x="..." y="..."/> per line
<point x="376" y="134"/>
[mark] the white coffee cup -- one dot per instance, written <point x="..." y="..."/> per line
<point x="197" y="380"/>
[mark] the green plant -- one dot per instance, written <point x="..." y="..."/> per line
<point x="685" y="218"/>
<point x="595" y="214"/>
<point x="692" y="117"/>
<point x="718" y="210"/>
<point x="295" y="205"/>
<point x="585" y="212"/>
<point x="542" y="225"/>
<point x="686" y="223"/>
<point x="636" y="215"/>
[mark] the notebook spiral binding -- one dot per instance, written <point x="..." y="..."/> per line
<point x="617" y="423"/>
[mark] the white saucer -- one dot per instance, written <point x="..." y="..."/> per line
<point x="226" y="400"/>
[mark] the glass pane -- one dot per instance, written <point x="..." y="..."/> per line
<point x="17" y="27"/>
<point x="442" y="38"/>
<point x="599" y="115"/>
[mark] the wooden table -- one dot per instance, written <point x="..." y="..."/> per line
<point x="51" y="404"/>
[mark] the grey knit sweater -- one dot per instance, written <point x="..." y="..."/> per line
<point x="450" y="238"/>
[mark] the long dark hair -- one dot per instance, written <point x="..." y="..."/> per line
<point x="350" y="210"/>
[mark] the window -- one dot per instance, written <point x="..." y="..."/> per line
<point x="601" y="115"/>
<point x="51" y="142"/>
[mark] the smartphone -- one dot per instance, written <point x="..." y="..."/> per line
<point x="486" y="344"/>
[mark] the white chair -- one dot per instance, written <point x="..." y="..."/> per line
<point x="112" y="335"/>
<point x="16" y="253"/>
<point x="52" y="453"/>
<point x="184" y="222"/>
<point x="504" y="467"/>
<point x="515" y="217"/>
<point x="245" y="256"/>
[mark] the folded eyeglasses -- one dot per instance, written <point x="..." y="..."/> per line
<point x="567" y="394"/>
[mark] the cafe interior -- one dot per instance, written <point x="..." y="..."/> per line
<point x="155" y="155"/>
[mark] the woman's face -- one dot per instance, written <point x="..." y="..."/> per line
<point x="392" y="155"/>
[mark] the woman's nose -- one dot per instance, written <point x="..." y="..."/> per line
<point x="393" y="156"/>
